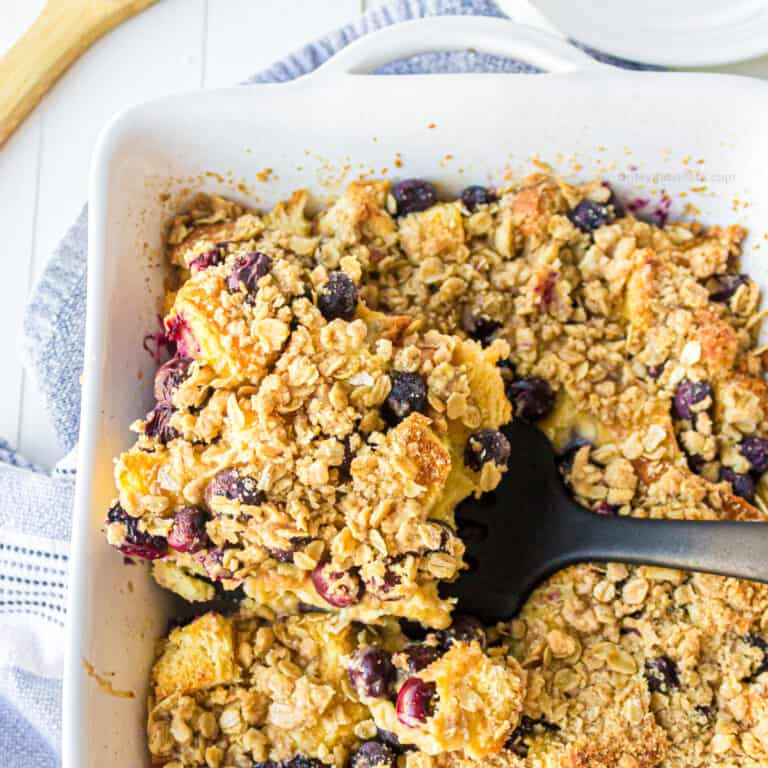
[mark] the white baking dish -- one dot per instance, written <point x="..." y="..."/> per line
<point x="455" y="129"/>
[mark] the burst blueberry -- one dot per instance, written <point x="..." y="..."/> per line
<point x="158" y="423"/>
<point x="743" y="485"/>
<point x="661" y="675"/>
<point x="531" y="397"/>
<point x="413" y="195"/>
<point x="230" y="484"/>
<point x="371" y="672"/>
<point x="211" y="258"/>
<point x="373" y="754"/>
<point x="476" y="195"/>
<point x="726" y="286"/>
<point x="247" y="271"/>
<point x="478" y="326"/>
<point x="136" y="543"/>
<point x="407" y="395"/>
<point x="484" y="446"/>
<point x="188" y="532"/>
<point x="337" y="299"/>
<point x="755" y="450"/>
<point x="420" y="655"/>
<point x="339" y="588"/>
<point x="169" y="376"/>
<point x="687" y="394"/>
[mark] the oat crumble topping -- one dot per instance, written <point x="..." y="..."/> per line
<point x="338" y="386"/>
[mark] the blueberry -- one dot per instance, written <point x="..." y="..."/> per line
<point x="301" y="761"/>
<point x="420" y="655"/>
<point x="606" y="509"/>
<point x="337" y="299"/>
<point x="479" y="327"/>
<point x="188" y="532"/>
<point x="654" y="371"/>
<point x="415" y="702"/>
<point x="755" y="451"/>
<point x="696" y="462"/>
<point x="757" y="642"/>
<point x="661" y="675"/>
<point x="477" y="195"/>
<point x="179" y="335"/>
<point x="391" y="740"/>
<point x="532" y="398"/>
<point x="589" y="216"/>
<point x="169" y="376"/>
<point x="247" y="271"/>
<point x="689" y="393"/>
<point x="384" y="586"/>
<point x="210" y="258"/>
<point x="727" y="285"/>
<point x="413" y="195"/>
<point x="373" y="754"/>
<point x="743" y="485"/>
<point x="371" y="672"/>
<point x="506" y="371"/>
<point x="157" y="423"/>
<point x="344" y="469"/>
<point x="484" y="446"/>
<point x="464" y="628"/>
<point x="230" y="484"/>
<point x="286" y="555"/>
<point x="528" y="727"/>
<point x="136" y="543"/>
<point x="338" y="588"/>
<point x="408" y="395"/>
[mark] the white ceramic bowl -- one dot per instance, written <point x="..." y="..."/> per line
<point x="455" y="129"/>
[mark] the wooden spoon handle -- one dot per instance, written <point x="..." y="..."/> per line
<point x="59" y="35"/>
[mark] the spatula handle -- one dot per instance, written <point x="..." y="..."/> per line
<point x="727" y="548"/>
<point x="59" y="35"/>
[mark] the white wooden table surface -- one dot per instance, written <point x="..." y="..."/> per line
<point x="175" y="45"/>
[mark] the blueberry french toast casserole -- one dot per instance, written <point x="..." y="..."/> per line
<point x="336" y="386"/>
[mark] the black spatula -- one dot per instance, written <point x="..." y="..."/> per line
<point x="530" y="527"/>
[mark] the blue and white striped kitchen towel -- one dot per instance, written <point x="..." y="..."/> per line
<point x="35" y="507"/>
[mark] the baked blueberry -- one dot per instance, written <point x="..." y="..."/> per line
<point x="726" y="285"/>
<point x="589" y="215"/>
<point x="476" y="195"/>
<point x="408" y="395"/>
<point x="661" y="675"/>
<point x="687" y="394"/>
<point x="136" y="543"/>
<point x="464" y="628"/>
<point x="479" y="327"/>
<point x="755" y="450"/>
<point x="531" y="397"/>
<point x="413" y="195"/>
<point x="420" y="655"/>
<point x="338" y="588"/>
<point x="247" y="271"/>
<point x="158" y="423"/>
<point x="373" y="754"/>
<point x="743" y="485"/>
<point x="337" y="299"/>
<point x="210" y="258"/>
<point x="230" y="484"/>
<point x="606" y="509"/>
<point x="371" y="672"/>
<point x="415" y="702"/>
<point x="286" y="555"/>
<point x="484" y="446"/>
<point x="188" y="532"/>
<point x="169" y="376"/>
